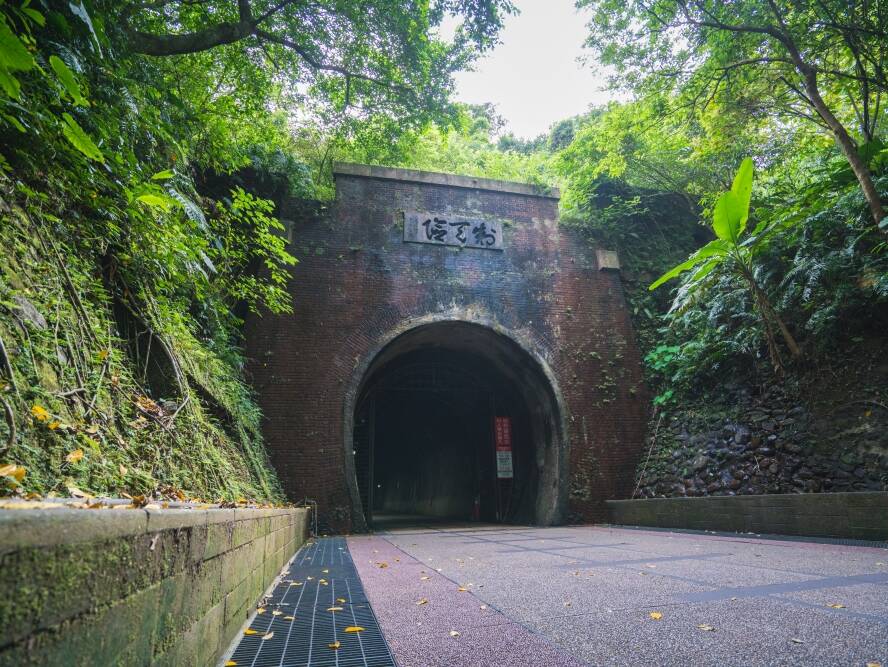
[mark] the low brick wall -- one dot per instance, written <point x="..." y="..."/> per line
<point x="862" y="516"/>
<point x="135" y="587"/>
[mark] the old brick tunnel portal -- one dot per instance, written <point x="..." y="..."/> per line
<point x="453" y="352"/>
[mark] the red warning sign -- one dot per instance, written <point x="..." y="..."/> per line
<point x="503" y="435"/>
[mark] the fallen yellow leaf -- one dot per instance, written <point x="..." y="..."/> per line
<point x="123" y="470"/>
<point x="326" y="571"/>
<point x="261" y="610"/>
<point x="424" y="578"/>
<point x="422" y="601"/>
<point x="335" y="645"/>
<point x="454" y="633"/>
<point x="341" y="600"/>
<point x="230" y="663"/>
<point x="249" y="631"/>
<point x="706" y="628"/>
<point x="656" y="615"/>
<point x="462" y="589"/>
<point x="289" y="618"/>
<point x="74" y="456"/>
<point x="12" y="470"/>
<point x="40" y="413"/>
<point x="836" y="605"/>
<point x="354" y="628"/>
<point x="296" y="583"/>
<point x="874" y="664"/>
<point x="335" y="609"/>
<point x="267" y="636"/>
<point x="276" y="612"/>
<point x="382" y="565"/>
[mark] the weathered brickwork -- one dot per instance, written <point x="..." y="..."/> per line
<point x="358" y="281"/>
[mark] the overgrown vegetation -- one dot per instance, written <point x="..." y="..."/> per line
<point x="139" y="144"/>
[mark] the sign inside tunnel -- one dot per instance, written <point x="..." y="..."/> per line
<point x="452" y="230"/>
<point x="503" y="441"/>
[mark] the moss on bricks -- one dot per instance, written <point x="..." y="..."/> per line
<point x="200" y="645"/>
<point x="126" y="600"/>
<point x="55" y="584"/>
<point x="119" y="635"/>
<point x="218" y="539"/>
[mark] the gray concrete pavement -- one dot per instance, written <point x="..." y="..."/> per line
<point x="585" y="595"/>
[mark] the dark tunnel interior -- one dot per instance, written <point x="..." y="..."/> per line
<point x="425" y="441"/>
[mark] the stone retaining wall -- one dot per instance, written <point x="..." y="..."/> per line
<point x="862" y="516"/>
<point x="135" y="587"/>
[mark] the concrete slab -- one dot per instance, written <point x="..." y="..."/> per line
<point x="584" y="595"/>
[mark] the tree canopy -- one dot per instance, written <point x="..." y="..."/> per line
<point x="819" y="60"/>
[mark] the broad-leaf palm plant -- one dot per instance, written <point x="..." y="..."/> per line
<point x="735" y="255"/>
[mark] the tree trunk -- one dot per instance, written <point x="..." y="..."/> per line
<point x="841" y="135"/>
<point x="190" y="42"/>
<point x="770" y="313"/>
<point x="847" y="145"/>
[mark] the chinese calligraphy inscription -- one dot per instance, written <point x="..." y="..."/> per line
<point x="453" y="230"/>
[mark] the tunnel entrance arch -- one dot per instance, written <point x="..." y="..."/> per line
<point x="421" y="431"/>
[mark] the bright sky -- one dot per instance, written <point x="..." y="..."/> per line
<point x="533" y="76"/>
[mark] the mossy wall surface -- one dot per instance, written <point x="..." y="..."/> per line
<point x="135" y="587"/>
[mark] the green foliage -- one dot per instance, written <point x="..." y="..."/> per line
<point x="735" y="257"/>
<point x="246" y="236"/>
<point x="728" y="222"/>
<point x="464" y="143"/>
<point x="792" y="61"/>
<point x="141" y="154"/>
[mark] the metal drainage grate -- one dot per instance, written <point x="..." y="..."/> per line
<point x="319" y="577"/>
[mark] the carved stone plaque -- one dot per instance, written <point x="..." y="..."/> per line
<point x="453" y="230"/>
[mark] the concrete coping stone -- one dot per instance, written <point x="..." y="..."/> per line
<point x="174" y="519"/>
<point x="23" y="528"/>
<point x="855" y="497"/>
<point x="56" y="527"/>
<point x="449" y="180"/>
<point x="243" y="514"/>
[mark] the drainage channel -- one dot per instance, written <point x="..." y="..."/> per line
<point x="306" y="617"/>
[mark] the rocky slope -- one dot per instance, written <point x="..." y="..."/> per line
<point x="824" y="433"/>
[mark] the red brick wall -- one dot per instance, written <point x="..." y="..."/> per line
<point x="357" y="281"/>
